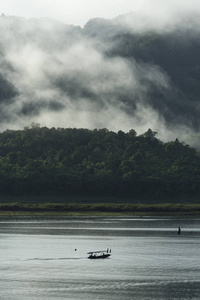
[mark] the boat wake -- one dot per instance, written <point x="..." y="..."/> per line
<point x="54" y="259"/>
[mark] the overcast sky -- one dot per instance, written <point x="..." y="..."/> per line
<point x="78" y="12"/>
<point x="70" y="82"/>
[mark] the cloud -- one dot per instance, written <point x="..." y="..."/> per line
<point x="162" y="16"/>
<point x="62" y="77"/>
<point x="74" y="12"/>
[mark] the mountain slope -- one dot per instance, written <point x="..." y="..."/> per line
<point x="116" y="74"/>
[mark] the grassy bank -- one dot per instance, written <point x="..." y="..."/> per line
<point x="98" y="209"/>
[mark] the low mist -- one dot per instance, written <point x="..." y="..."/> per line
<point x="66" y="76"/>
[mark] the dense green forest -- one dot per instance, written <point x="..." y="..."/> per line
<point x="97" y="163"/>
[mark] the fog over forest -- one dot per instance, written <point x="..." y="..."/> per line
<point x="128" y="72"/>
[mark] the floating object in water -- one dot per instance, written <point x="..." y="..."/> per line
<point x="99" y="254"/>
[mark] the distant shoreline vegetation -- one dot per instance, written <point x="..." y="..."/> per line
<point x="99" y="209"/>
<point x="96" y="163"/>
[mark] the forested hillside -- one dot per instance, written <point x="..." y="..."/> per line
<point x="82" y="162"/>
<point x="115" y="74"/>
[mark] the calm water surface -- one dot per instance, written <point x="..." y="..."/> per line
<point x="149" y="260"/>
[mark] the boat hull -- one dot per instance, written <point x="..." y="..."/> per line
<point x="99" y="256"/>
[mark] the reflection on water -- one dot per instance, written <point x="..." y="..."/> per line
<point x="46" y="258"/>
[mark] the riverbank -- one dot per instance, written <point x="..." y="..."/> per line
<point x="99" y="209"/>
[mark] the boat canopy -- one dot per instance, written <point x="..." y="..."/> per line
<point x="97" y="251"/>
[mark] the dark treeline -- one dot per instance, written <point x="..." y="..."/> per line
<point x="82" y="162"/>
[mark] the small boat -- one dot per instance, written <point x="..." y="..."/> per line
<point x="99" y="254"/>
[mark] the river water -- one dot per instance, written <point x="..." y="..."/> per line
<point x="46" y="258"/>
